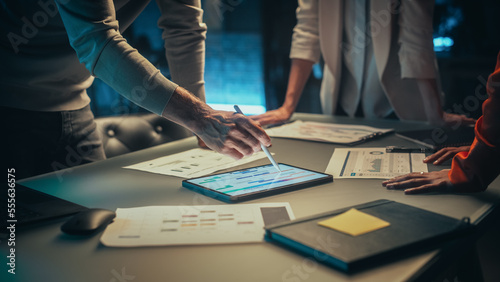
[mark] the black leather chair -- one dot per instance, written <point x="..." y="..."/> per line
<point x="129" y="133"/>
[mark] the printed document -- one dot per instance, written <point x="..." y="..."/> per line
<point x="373" y="163"/>
<point x="326" y="132"/>
<point x="193" y="163"/>
<point x="193" y="225"/>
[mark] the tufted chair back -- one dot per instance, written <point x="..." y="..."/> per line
<point x="129" y="133"/>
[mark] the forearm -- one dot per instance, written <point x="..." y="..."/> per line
<point x="297" y="79"/>
<point x="187" y="110"/>
<point x="304" y="52"/>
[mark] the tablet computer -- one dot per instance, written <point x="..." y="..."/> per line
<point x="255" y="182"/>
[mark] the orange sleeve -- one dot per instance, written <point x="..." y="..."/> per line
<point x="473" y="171"/>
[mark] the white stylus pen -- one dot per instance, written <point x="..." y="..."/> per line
<point x="269" y="156"/>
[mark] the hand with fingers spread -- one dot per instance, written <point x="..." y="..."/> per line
<point x="445" y="154"/>
<point x="420" y="182"/>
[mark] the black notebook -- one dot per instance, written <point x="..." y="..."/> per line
<point x="438" y="138"/>
<point x="411" y="229"/>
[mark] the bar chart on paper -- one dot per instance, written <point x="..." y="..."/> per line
<point x="373" y="163"/>
<point x="324" y="132"/>
<point x="192" y="225"/>
<point x="193" y="163"/>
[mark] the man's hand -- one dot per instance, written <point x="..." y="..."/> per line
<point x="232" y="134"/>
<point x="420" y="182"/>
<point x="445" y="154"/>
<point x="279" y="115"/>
<point x="225" y="132"/>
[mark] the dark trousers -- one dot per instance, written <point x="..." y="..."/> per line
<point x="41" y="142"/>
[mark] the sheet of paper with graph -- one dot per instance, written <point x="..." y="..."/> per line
<point x="348" y="134"/>
<point x="373" y="163"/>
<point x="193" y="163"/>
<point x="193" y="225"/>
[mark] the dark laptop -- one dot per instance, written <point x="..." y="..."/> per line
<point x="32" y="206"/>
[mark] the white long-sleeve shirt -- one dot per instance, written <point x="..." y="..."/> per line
<point x="51" y="51"/>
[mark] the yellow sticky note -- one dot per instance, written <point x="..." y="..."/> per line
<point x="354" y="222"/>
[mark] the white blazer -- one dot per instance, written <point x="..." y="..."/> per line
<point x="402" y="46"/>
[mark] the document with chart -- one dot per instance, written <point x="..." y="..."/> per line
<point x="348" y="134"/>
<point x="193" y="163"/>
<point x="193" y="225"/>
<point x="373" y="163"/>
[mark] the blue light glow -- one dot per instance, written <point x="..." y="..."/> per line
<point x="443" y="44"/>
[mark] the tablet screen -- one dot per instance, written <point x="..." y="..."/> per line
<point x="257" y="179"/>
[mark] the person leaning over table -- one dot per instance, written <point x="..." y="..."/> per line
<point x="52" y="50"/>
<point x="472" y="170"/>
<point x="379" y="61"/>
